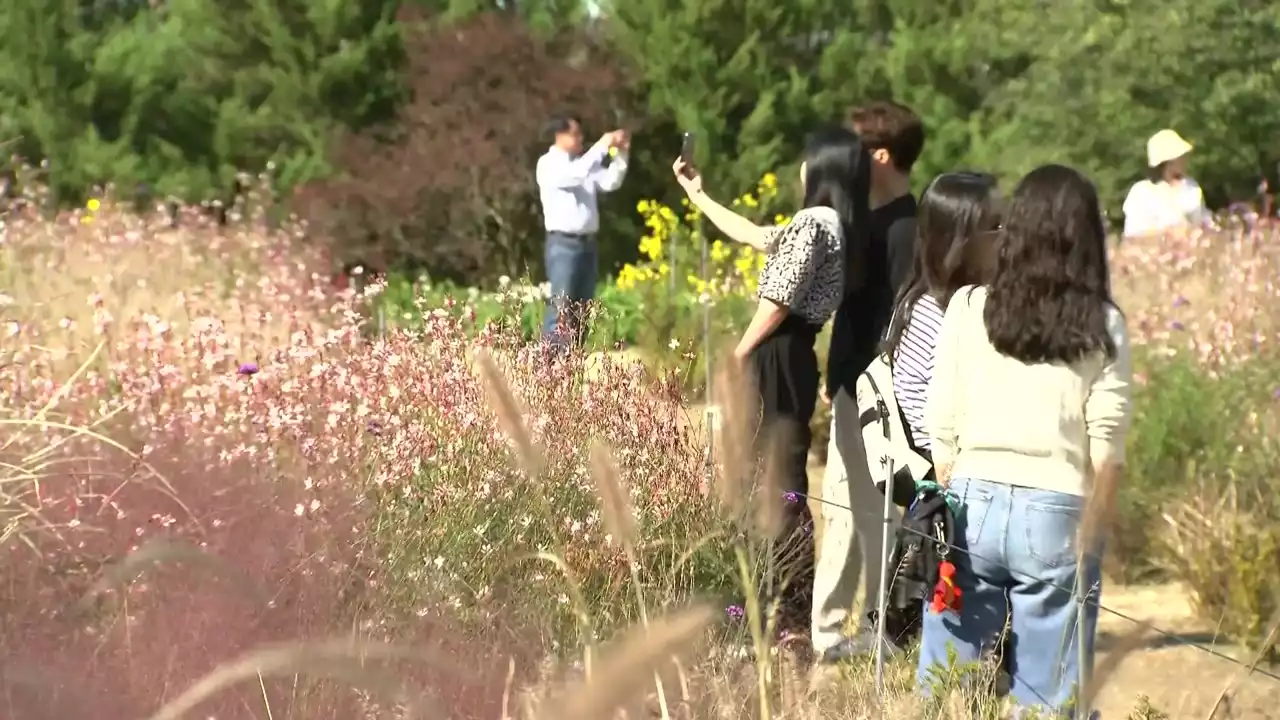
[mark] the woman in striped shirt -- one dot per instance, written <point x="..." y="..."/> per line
<point x="955" y="232"/>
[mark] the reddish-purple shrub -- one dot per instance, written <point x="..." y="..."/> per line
<point x="450" y="186"/>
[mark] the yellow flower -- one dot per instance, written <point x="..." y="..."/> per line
<point x="651" y="246"/>
<point x="627" y="277"/>
<point x="93" y="204"/>
<point x="663" y="269"/>
<point x="643" y="206"/>
<point x="781" y="219"/>
<point x="719" y="252"/>
<point x="769" y="181"/>
<point x="750" y="201"/>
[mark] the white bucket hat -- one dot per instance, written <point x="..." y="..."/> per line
<point x="1164" y="146"/>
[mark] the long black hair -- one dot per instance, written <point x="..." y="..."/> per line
<point x="837" y="174"/>
<point x="1049" y="297"/>
<point x="955" y="226"/>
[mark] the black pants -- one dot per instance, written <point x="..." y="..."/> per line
<point x="786" y="373"/>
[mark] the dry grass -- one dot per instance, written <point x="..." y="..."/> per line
<point x="669" y="666"/>
<point x="640" y="675"/>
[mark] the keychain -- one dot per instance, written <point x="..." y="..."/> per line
<point x="946" y="594"/>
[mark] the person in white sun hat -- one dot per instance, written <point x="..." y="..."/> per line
<point x="1168" y="200"/>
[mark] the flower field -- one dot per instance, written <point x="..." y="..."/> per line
<point x="207" y="447"/>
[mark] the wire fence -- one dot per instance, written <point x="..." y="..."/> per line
<point x="706" y="351"/>
<point x="1168" y="635"/>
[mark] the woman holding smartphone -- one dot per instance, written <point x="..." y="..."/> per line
<point x="812" y="261"/>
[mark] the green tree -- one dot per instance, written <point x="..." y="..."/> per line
<point x="1001" y="85"/>
<point x="184" y="95"/>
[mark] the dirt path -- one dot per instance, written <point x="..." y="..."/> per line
<point x="1178" y="678"/>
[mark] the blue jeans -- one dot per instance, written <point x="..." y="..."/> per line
<point x="571" y="271"/>
<point x="1017" y="559"/>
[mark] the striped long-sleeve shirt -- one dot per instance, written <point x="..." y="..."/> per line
<point x="913" y="366"/>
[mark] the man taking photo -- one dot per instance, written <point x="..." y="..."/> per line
<point x="569" y="182"/>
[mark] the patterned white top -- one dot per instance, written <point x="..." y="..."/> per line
<point x="805" y="268"/>
<point x="913" y="366"/>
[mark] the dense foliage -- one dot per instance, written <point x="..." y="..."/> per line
<point x="175" y="97"/>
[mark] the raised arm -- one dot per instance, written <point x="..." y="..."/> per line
<point x="733" y="225"/>
<point x="558" y="171"/>
<point x="610" y="178"/>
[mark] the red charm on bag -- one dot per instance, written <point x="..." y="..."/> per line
<point x="946" y="594"/>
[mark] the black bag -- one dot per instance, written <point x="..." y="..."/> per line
<point x="923" y="542"/>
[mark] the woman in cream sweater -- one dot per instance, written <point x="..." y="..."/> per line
<point x="1027" y="411"/>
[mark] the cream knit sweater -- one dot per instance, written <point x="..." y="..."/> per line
<point x="1043" y="426"/>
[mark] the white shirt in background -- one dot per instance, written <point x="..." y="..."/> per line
<point x="1154" y="207"/>
<point x="568" y="187"/>
<point x="1036" y="425"/>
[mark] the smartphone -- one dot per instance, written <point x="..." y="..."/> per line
<point x="686" y="149"/>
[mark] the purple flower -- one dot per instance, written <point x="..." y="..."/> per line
<point x="1276" y="394"/>
<point x="248" y="368"/>
<point x="1175" y="325"/>
<point x="1180" y="301"/>
<point x="791" y="497"/>
<point x="736" y="611"/>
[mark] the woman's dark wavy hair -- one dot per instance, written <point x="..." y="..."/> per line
<point x="1048" y="299"/>
<point x="837" y="174"/>
<point x="955" y="225"/>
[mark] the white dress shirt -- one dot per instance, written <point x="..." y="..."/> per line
<point x="568" y="187"/>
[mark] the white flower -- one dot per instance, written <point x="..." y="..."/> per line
<point x="504" y="282"/>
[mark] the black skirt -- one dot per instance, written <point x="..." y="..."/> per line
<point x="786" y="374"/>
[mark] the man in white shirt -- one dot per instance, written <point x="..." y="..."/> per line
<point x="569" y="181"/>
<point x="1168" y="200"/>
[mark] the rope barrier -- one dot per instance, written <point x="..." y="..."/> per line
<point x="1168" y="635"/>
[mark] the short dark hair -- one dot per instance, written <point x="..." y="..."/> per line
<point x="887" y="125"/>
<point x="561" y="123"/>
<point x="1049" y="297"/>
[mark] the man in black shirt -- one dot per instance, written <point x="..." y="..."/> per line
<point x="851" y="543"/>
